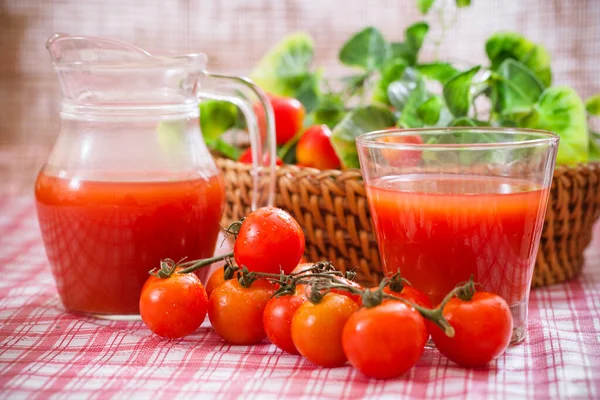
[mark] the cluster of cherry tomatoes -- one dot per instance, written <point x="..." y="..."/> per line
<point x="313" y="148"/>
<point x="317" y="312"/>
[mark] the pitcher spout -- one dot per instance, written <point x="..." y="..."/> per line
<point x="65" y="49"/>
<point x="94" y="71"/>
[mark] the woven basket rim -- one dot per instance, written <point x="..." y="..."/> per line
<point x="354" y="171"/>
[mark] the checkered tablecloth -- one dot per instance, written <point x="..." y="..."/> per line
<point x="46" y="352"/>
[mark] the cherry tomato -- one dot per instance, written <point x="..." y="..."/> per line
<point x="216" y="279"/>
<point x="411" y="294"/>
<point x="173" y="307"/>
<point x="270" y="240"/>
<point x="314" y="149"/>
<point x="235" y="311"/>
<point x="385" y="341"/>
<point x="355" y="297"/>
<point x="277" y="319"/>
<point x="483" y="328"/>
<point x="289" y="116"/>
<point x="317" y="329"/>
<point x="303" y="266"/>
<point x="402" y="158"/>
<point x="246" y="158"/>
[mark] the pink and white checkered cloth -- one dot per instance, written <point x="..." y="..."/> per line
<point x="46" y="352"/>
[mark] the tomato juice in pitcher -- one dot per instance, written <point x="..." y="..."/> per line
<point x="102" y="237"/>
<point x="130" y="180"/>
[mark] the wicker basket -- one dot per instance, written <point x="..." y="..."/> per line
<point x="332" y="207"/>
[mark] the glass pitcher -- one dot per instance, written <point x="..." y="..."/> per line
<point x="130" y="180"/>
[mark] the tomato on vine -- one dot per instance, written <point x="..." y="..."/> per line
<point x="386" y="340"/>
<point x="317" y="329"/>
<point x="303" y="266"/>
<point x="354" y="296"/>
<point x="483" y="327"/>
<point x="246" y="158"/>
<point x="172" y="304"/>
<point x="269" y="240"/>
<point x="220" y="276"/>
<point x="400" y="288"/>
<point x="235" y="311"/>
<point x="340" y="279"/>
<point x="277" y="319"/>
<point x="216" y="279"/>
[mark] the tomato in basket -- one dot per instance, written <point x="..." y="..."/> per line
<point x="314" y="149"/>
<point x="289" y="115"/>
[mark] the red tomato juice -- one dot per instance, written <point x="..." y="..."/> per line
<point x="103" y="237"/>
<point x="440" y="230"/>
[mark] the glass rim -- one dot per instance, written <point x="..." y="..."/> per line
<point x="538" y="137"/>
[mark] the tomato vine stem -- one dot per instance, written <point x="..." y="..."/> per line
<point x="372" y="298"/>
<point x="322" y="278"/>
<point x="191" y="266"/>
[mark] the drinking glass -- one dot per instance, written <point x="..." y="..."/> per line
<point x="451" y="203"/>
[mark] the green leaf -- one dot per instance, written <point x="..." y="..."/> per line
<point x="216" y="117"/>
<point x="424" y="5"/>
<point x="506" y="123"/>
<point x="560" y="110"/>
<point x="390" y="72"/>
<point x="401" y="50"/>
<point x="408" y="50"/>
<point x="309" y="91"/>
<point x="329" y="110"/>
<point x="429" y="111"/>
<point x="224" y="148"/>
<point x="286" y="66"/>
<point x="415" y="35"/>
<point x="594" y="146"/>
<point x="465" y="136"/>
<point x="367" y="49"/>
<point x="465" y="121"/>
<point x="457" y="92"/>
<point x="463" y="3"/>
<point x="399" y="91"/>
<point x="592" y="105"/>
<point x="438" y="71"/>
<point x="360" y="120"/>
<point x="445" y="117"/>
<point x="517" y="87"/>
<point x="355" y="83"/>
<point x="287" y="152"/>
<point x="410" y="117"/>
<point x="503" y="45"/>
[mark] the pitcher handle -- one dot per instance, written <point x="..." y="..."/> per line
<point x="243" y="93"/>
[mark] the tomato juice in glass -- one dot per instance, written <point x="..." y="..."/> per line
<point x="441" y="230"/>
<point x="460" y="210"/>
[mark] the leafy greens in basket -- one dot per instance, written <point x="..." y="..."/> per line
<point x="391" y="86"/>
